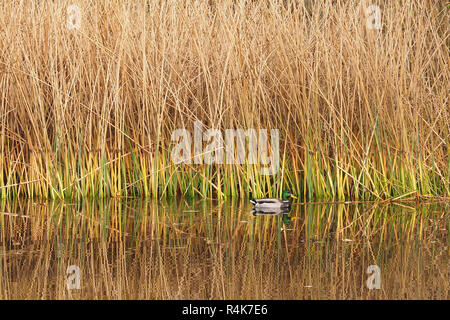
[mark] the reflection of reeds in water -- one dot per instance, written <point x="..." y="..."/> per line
<point x="138" y="249"/>
<point x="90" y="112"/>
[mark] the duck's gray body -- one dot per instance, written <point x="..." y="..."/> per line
<point x="268" y="203"/>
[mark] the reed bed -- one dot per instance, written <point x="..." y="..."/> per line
<point x="202" y="250"/>
<point x="362" y="114"/>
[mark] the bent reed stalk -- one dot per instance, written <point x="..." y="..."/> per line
<point x="362" y="114"/>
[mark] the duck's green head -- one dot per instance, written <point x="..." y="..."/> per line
<point x="286" y="195"/>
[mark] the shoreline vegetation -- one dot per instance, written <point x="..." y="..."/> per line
<point x="362" y="114"/>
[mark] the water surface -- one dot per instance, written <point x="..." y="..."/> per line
<point x="137" y="249"/>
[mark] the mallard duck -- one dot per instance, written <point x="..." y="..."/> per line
<point x="273" y="203"/>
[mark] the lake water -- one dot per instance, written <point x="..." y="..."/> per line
<point x="138" y="249"/>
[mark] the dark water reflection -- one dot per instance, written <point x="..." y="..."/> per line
<point x="135" y="249"/>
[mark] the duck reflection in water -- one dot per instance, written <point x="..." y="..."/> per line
<point x="284" y="212"/>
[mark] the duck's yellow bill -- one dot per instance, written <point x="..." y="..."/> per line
<point x="293" y="197"/>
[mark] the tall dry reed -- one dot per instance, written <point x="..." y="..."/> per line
<point x="362" y="113"/>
